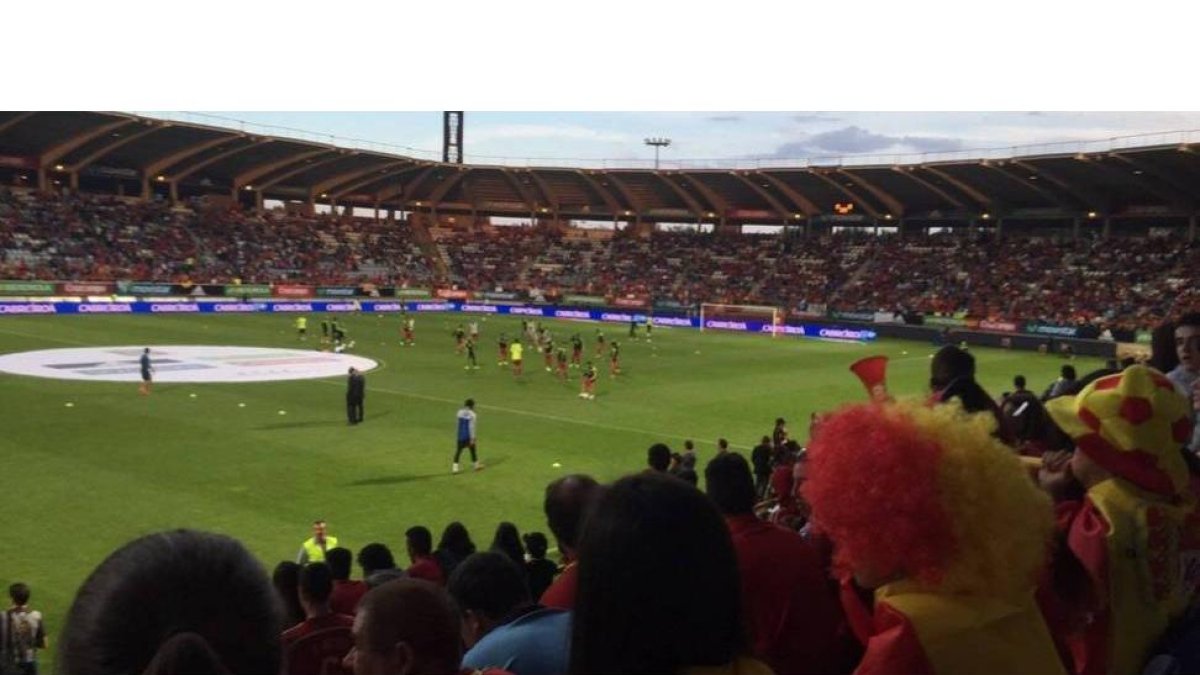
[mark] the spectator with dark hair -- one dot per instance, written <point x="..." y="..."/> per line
<point x="166" y="597"/>
<point x="658" y="457"/>
<point x="377" y="564"/>
<point x="500" y="626"/>
<point x="1063" y="385"/>
<point x="346" y="593"/>
<point x="1019" y="384"/>
<point x="539" y="571"/>
<point x="407" y="627"/>
<point x="1186" y="375"/>
<point x="23" y="631"/>
<point x="760" y="456"/>
<point x="286" y="580"/>
<point x="779" y="435"/>
<point x="419" y="542"/>
<point x="508" y="541"/>
<point x="792" y="615"/>
<point x="567" y="502"/>
<point x="673" y="605"/>
<point x="722" y="446"/>
<point x="952" y="376"/>
<point x="453" y="548"/>
<point x="1164" y="356"/>
<point x="316" y="587"/>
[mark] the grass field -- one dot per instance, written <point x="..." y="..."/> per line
<point x="81" y="481"/>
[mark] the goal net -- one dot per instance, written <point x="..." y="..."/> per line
<point x="741" y="317"/>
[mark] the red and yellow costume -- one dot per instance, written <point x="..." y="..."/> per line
<point x="1135" y="531"/>
<point x="924" y="504"/>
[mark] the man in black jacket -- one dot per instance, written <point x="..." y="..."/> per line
<point x="356" y="389"/>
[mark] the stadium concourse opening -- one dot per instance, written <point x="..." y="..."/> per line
<point x="186" y="363"/>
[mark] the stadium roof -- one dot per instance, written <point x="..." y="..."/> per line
<point x="186" y="159"/>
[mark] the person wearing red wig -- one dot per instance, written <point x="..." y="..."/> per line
<point x="936" y="516"/>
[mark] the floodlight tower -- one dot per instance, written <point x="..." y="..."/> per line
<point x="452" y="137"/>
<point x="658" y="143"/>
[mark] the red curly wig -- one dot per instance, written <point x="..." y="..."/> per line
<point x="907" y="491"/>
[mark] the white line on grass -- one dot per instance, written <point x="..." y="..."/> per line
<point x="527" y="413"/>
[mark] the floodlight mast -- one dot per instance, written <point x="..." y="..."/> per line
<point x="658" y="144"/>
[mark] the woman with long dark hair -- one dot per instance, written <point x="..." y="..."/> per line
<point x="454" y="547"/>
<point x="658" y="585"/>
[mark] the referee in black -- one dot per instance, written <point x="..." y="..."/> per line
<point x="356" y="390"/>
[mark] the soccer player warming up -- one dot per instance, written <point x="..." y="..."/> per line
<point x="576" y="351"/>
<point x="471" y="363"/>
<point x="408" y="326"/>
<point x="614" y="359"/>
<point x="561" y="356"/>
<point x="599" y="342"/>
<point x="460" y="337"/>
<point x="466" y="435"/>
<point x="502" y="341"/>
<point x="302" y="327"/>
<point x="589" y="382"/>
<point x="548" y="355"/>
<point x="515" y="351"/>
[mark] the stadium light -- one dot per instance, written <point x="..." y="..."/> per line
<point x="58" y="167"/>
<point x="1091" y="214"/>
<point x="986" y="216"/>
<point x="160" y="178"/>
<point x="658" y="144"/>
<point x="887" y="216"/>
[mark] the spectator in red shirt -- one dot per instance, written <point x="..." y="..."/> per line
<point x="567" y="501"/>
<point x="316" y="585"/>
<point x="346" y="593"/>
<point x="791" y="610"/>
<point x="420" y="551"/>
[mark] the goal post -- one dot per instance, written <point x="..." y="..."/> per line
<point x="714" y="316"/>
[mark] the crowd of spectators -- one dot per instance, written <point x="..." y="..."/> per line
<point x="1122" y="283"/>
<point x="103" y="238"/>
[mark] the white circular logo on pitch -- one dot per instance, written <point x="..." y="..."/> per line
<point x="182" y="364"/>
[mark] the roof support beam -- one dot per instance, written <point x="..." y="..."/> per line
<point x="1087" y="199"/>
<point x="911" y="174"/>
<point x="156" y="168"/>
<point x="894" y="206"/>
<point x="276" y="180"/>
<point x="391" y="171"/>
<point x="17" y="119"/>
<point x="405" y="190"/>
<point x="546" y="191"/>
<point x="59" y="151"/>
<point x="516" y="185"/>
<point x="440" y="192"/>
<point x="803" y="204"/>
<point x="979" y="197"/>
<point x="113" y="145"/>
<point x="179" y="176"/>
<point x="637" y="205"/>
<point x="693" y="205"/>
<point x="248" y="177"/>
<point x="1164" y="186"/>
<point x="613" y="205"/>
<point x="1049" y="196"/>
<point x="778" y="206"/>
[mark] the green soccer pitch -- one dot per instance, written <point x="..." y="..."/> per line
<point x="82" y="480"/>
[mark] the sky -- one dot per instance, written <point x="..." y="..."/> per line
<point x="540" y="80"/>
<point x="696" y="137"/>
